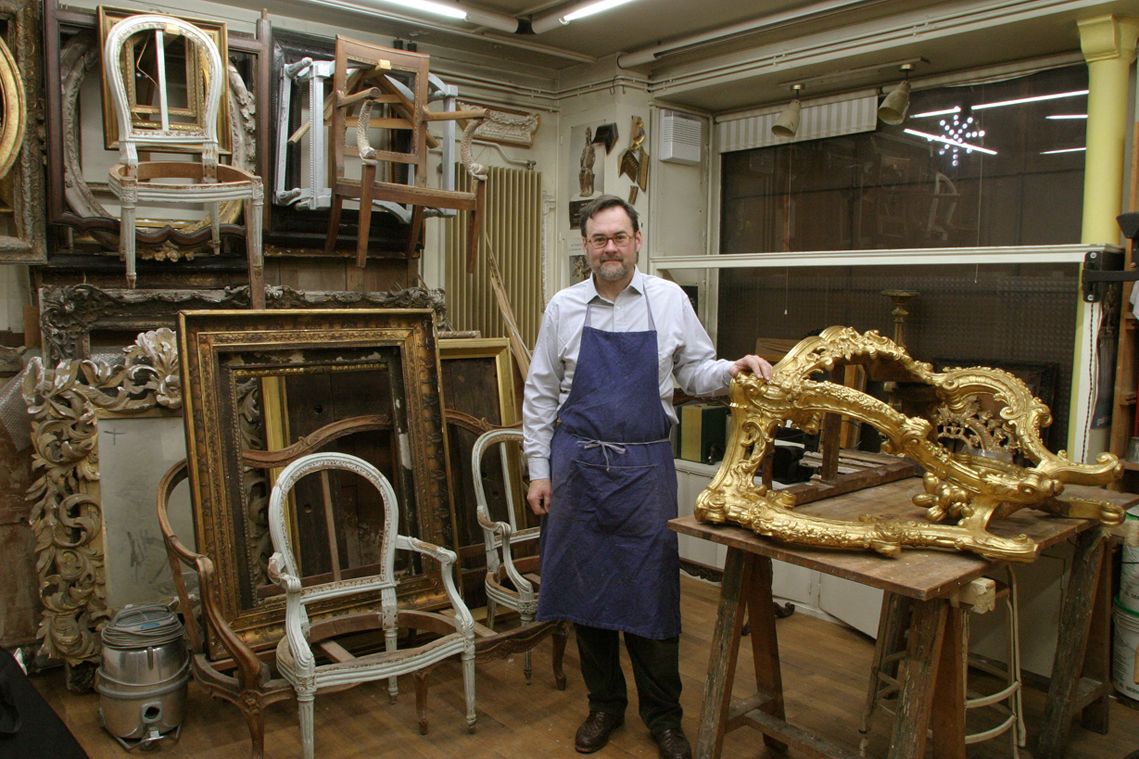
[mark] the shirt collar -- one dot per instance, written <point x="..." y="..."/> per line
<point x="637" y="285"/>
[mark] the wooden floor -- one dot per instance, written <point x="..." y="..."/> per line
<point x="825" y="668"/>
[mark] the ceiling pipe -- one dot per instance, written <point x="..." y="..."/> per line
<point x="648" y="55"/>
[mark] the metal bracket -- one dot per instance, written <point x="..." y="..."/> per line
<point x="1102" y="267"/>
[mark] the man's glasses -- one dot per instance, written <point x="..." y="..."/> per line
<point x="598" y="242"/>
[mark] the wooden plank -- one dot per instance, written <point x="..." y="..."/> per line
<point x="764" y="643"/>
<point x="915" y="702"/>
<point x="723" y="656"/>
<point x="1071" y="646"/>
<point x="805" y="743"/>
<point x="949" y="689"/>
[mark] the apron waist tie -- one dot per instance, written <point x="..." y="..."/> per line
<point x="607" y="446"/>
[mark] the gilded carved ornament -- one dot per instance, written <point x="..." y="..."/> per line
<point x="981" y="421"/>
<point x="65" y="403"/>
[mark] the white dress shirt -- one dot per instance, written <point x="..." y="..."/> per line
<point x="685" y="354"/>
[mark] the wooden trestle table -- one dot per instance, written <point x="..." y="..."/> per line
<point x="934" y="671"/>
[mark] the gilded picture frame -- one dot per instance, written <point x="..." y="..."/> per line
<point x="22" y="230"/>
<point x="68" y="404"/>
<point x="234" y="366"/>
<point x="478" y="377"/>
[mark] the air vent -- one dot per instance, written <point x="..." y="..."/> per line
<point x="680" y="138"/>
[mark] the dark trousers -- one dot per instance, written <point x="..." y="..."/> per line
<point x="656" y="670"/>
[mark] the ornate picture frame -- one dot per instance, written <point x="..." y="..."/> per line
<point x="67" y="405"/>
<point x="76" y="318"/>
<point x="24" y="241"/>
<point x="71" y="53"/>
<point x="239" y="364"/>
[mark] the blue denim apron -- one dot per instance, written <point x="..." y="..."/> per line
<point x="607" y="558"/>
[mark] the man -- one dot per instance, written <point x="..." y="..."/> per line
<point x="596" y="419"/>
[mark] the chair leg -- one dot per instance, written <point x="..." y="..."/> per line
<point x="253" y="251"/>
<point x="126" y="237"/>
<point x="215" y="227"/>
<point x="469" y="686"/>
<point x="560" y="637"/>
<point x="333" y="224"/>
<point x="364" y="227"/>
<point x="421" y="699"/>
<point x="413" y="232"/>
<point x="305" y="711"/>
<point x="249" y="703"/>
<point x="390" y="645"/>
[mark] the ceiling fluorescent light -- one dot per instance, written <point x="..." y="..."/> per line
<point x="1066" y="116"/>
<point x="438" y="9"/>
<point x="1058" y="151"/>
<point x="947" y="141"/>
<point x="1034" y="99"/>
<point x="497" y="21"/>
<point x="941" y="112"/>
<point x="590" y="8"/>
<point x="573" y="13"/>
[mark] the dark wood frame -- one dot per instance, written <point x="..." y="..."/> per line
<point x="58" y="21"/>
<point x="71" y="314"/>
<point x="279" y="342"/>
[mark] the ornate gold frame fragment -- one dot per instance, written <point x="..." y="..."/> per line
<point x="976" y="423"/>
<point x="65" y="405"/>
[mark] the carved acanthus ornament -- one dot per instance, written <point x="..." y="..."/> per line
<point x="991" y="411"/>
<point x="65" y="404"/>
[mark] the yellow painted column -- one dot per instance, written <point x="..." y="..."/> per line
<point x="1108" y="46"/>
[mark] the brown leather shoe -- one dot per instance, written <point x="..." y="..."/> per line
<point x="673" y="744"/>
<point x="594" y="732"/>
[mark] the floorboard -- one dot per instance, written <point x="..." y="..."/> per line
<point x="825" y="671"/>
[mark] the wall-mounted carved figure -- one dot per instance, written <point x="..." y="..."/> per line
<point x="977" y="424"/>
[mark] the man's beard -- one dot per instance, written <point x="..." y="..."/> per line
<point x="610" y="274"/>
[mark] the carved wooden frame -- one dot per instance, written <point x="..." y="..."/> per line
<point x="69" y="315"/>
<point x="65" y="404"/>
<point x="71" y="50"/>
<point x="27" y="245"/>
<point x="223" y="349"/>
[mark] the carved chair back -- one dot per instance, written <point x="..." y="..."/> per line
<point x="193" y="126"/>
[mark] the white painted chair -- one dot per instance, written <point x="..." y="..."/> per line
<point x="453" y="632"/>
<point x="510" y="582"/>
<point x="192" y="128"/>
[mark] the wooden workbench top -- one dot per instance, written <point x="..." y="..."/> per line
<point x="918" y="573"/>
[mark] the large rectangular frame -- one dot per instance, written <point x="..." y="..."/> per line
<point x="281" y="342"/>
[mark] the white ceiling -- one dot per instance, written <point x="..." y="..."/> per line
<point x="831" y="45"/>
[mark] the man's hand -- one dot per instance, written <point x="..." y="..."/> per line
<point x="754" y="364"/>
<point x="539" y="496"/>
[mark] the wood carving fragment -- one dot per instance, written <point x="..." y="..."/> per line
<point x="980" y="422"/>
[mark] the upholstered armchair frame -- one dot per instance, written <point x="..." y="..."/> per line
<point x="452" y="634"/>
<point x="510" y="582"/>
<point x="366" y="78"/>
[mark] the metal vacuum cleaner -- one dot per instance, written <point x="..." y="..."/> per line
<point x="143" y="676"/>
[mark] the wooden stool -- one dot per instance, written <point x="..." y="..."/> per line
<point x="890" y="649"/>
